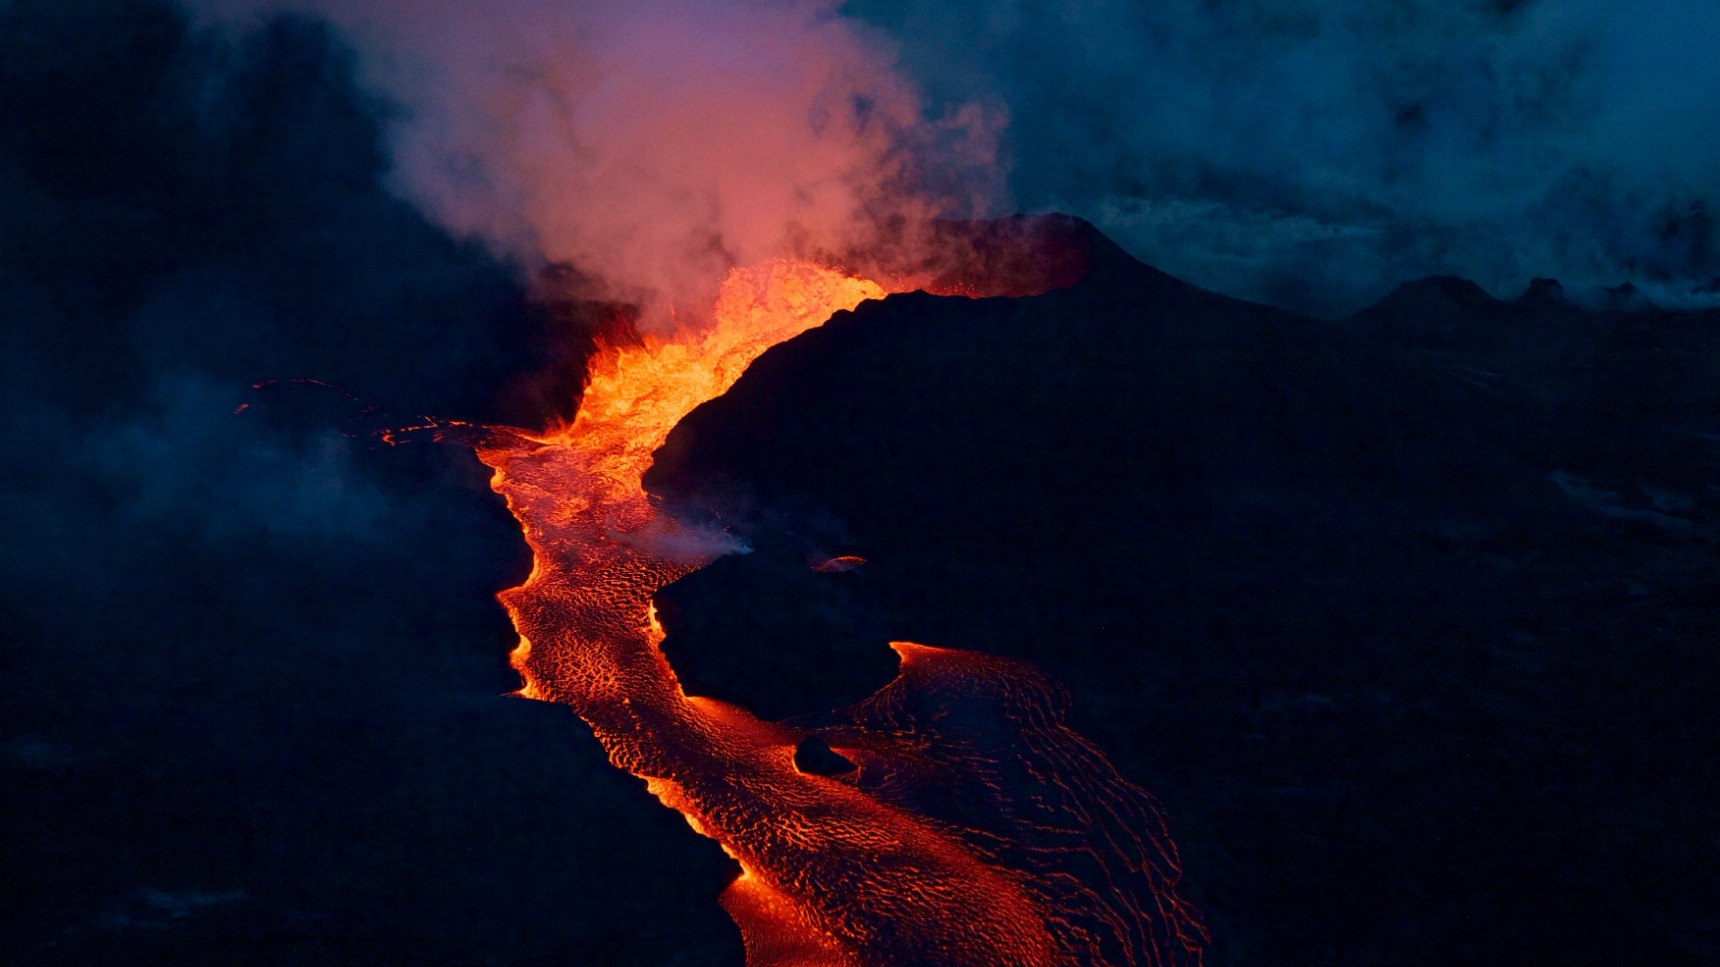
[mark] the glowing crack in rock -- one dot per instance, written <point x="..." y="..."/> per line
<point x="976" y="830"/>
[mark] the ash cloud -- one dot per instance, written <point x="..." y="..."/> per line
<point x="655" y="144"/>
<point x="1315" y="153"/>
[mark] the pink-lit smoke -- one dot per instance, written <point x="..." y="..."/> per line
<point x="653" y="144"/>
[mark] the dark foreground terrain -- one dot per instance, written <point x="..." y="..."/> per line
<point x="1410" y="618"/>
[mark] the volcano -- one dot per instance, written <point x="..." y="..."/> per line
<point x="1408" y="615"/>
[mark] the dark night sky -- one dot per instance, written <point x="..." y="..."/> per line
<point x="250" y="686"/>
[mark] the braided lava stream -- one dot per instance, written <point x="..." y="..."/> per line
<point x="975" y="828"/>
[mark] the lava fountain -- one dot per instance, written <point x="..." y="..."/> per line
<point x="972" y="829"/>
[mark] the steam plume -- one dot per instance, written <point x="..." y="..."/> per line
<point x="656" y="144"/>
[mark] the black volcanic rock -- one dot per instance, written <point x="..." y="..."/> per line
<point x="1408" y="617"/>
<point x="814" y="755"/>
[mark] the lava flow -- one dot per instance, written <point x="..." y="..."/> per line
<point x="976" y="828"/>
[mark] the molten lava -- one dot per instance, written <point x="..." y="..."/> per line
<point x="976" y="830"/>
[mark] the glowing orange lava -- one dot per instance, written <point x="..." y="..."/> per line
<point x="954" y="842"/>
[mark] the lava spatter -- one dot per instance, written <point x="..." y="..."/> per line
<point x="976" y="830"/>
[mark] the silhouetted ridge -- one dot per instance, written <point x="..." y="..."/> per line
<point x="1022" y="255"/>
<point x="1542" y="293"/>
<point x="1017" y="256"/>
<point x="1433" y="312"/>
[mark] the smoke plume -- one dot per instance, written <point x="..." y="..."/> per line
<point x="653" y="145"/>
<point x="1310" y="153"/>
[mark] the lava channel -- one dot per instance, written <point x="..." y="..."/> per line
<point x="976" y="828"/>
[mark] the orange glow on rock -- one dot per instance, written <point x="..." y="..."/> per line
<point x="884" y="864"/>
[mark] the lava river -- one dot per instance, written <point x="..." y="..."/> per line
<point x="974" y="828"/>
